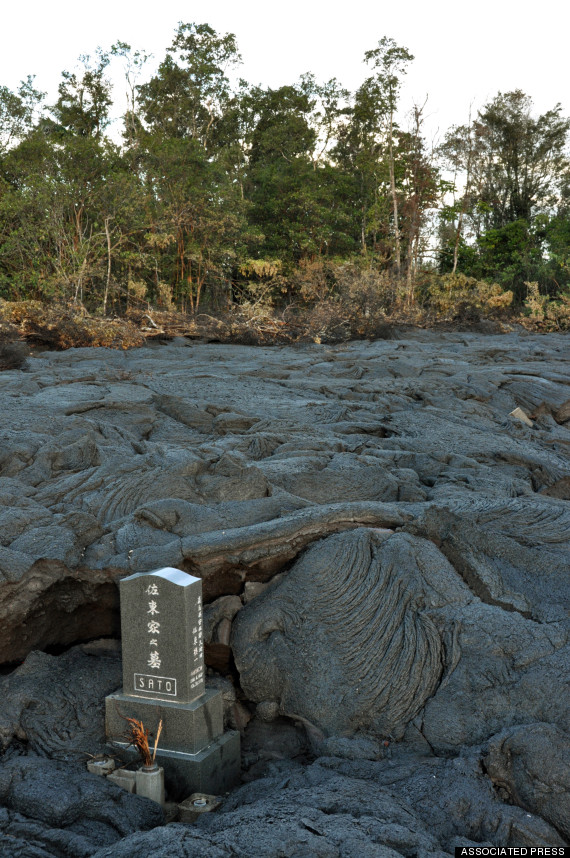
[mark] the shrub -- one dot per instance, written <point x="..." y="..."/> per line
<point x="456" y="296"/>
<point x="67" y="326"/>
<point x="551" y="314"/>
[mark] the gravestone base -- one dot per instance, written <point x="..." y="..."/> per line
<point x="213" y="770"/>
<point x="187" y="727"/>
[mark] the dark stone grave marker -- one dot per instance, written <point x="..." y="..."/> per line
<point x="162" y="636"/>
<point x="164" y="680"/>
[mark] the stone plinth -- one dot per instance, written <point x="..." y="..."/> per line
<point x="149" y="782"/>
<point x="197" y="804"/>
<point x="124" y="779"/>
<point x="214" y="770"/>
<point x="185" y="726"/>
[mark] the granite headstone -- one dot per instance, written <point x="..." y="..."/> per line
<point x="164" y="683"/>
<point x="162" y="635"/>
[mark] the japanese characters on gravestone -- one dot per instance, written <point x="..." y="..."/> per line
<point x="162" y="635"/>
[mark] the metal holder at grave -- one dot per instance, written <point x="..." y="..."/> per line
<point x="164" y="680"/>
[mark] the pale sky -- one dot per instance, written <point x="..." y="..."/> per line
<point x="464" y="52"/>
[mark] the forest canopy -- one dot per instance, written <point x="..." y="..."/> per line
<point x="222" y="192"/>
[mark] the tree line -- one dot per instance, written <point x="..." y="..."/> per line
<point x="229" y="192"/>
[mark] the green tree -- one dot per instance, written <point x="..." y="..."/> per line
<point x="521" y="159"/>
<point x="18" y="112"/>
<point x="458" y="153"/>
<point x="134" y="62"/>
<point x="557" y="242"/>
<point x="368" y="150"/>
<point x="421" y="190"/>
<point x="360" y="153"/>
<point x="390" y="61"/>
<point x="188" y="95"/>
<point x="511" y="168"/>
<point x="189" y="164"/>
<point x="52" y="229"/>
<point x="296" y="198"/>
<point x="84" y="99"/>
<point x="196" y="218"/>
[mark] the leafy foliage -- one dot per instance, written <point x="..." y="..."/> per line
<point x="546" y="313"/>
<point x="457" y="296"/>
<point x="303" y="195"/>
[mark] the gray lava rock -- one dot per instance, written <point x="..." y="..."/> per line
<point x="531" y="764"/>
<point x="51" y="809"/>
<point x="150" y="461"/>
<point x="369" y="630"/>
<point x="453" y="797"/>
<point x="307" y="814"/>
<point x="340" y="809"/>
<point x="55" y="704"/>
<point x="416" y="537"/>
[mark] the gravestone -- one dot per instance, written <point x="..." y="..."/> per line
<point x="164" y="680"/>
<point x="162" y="636"/>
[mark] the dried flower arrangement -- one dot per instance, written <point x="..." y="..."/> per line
<point x="137" y="735"/>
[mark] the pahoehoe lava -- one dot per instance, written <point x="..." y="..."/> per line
<point x="385" y="556"/>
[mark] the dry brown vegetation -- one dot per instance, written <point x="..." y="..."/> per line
<point x="333" y="304"/>
<point x="61" y="326"/>
<point x="547" y="314"/>
<point x="137" y="735"/>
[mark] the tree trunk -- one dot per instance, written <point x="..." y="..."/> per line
<point x="108" y="282"/>
<point x="457" y="240"/>
<point x="394" y="195"/>
<point x="199" y="282"/>
<point x="363" y="221"/>
<point x="409" y="273"/>
<point x="465" y="201"/>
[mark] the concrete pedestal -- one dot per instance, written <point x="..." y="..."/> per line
<point x="150" y="783"/>
<point x="124" y="779"/>
<point x="197" y="804"/>
<point x="187" y="727"/>
<point x="102" y="767"/>
<point x="213" y="770"/>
